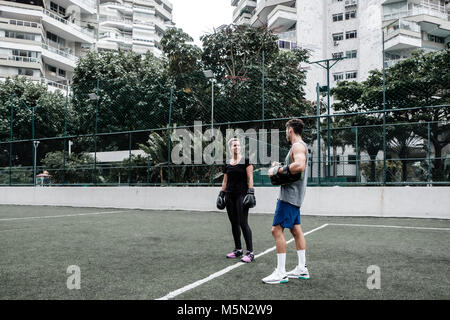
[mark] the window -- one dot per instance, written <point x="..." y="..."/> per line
<point x="284" y="44"/>
<point x="435" y="38"/>
<point x="337" y="55"/>
<point x="62" y="73"/>
<point x="350" y="34"/>
<point x="338" y="76"/>
<point x="25" y="72"/>
<point x="62" y="11"/>
<point x="350" y="15"/>
<point x="351" y="159"/>
<point x="351" y="75"/>
<point x="351" y="54"/>
<point x="53" y="6"/>
<point x="338" y="17"/>
<point x="338" y="36"/>
<point x="19" y="35"/>
<point x="51" y="68"/>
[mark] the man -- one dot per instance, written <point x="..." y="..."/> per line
<point x="293" y="178"/>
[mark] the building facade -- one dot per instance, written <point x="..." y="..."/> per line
<point x="43" y="39"/>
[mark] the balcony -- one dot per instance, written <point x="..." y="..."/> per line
<point x="282" y="18"/>
<point x="118" y="22"/>
<point x="234" y="3"/>
<point x="58" y="58"/>
<point x="88" y="6"/>
<point x="124" y="8"/>
<point x="420" y="8"/>
<point x="66" y="29"/>
<point x="246" y="6"/>
<point x="402" y="34"/>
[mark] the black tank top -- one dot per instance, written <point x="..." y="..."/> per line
<point x="237" y="176"/>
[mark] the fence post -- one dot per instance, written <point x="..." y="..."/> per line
<point x="384" y="115"/>
<point x="11" y="139"/>
<point x="357" y="154"/>
<point x="168" y="135"/>
<point x="95" y="133"/>
<point x="429" y="152"/>
<point x="318" y="133"/>
<point x="65" y="135"/>
<point x="129" y="157"/>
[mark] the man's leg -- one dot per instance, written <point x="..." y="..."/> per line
<point x="300" y="270"/>
<point x="280" y="244"/>
<point x="279" y="275"/>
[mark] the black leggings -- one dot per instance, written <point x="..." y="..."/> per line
<point x="238" y="216"/>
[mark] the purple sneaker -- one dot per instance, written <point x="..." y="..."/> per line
<point x="235" y="254"/>
<point x="248" y="257"/>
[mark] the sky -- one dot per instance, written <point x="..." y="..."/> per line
<point x="198" y="17"/>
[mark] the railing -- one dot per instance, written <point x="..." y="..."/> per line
<point x="114" y="3"/>
<point x="417" y="10"/>
<point x="89" y="3"/>
<point x="54" y="84"/>
<point x="68" y="23"/>
<point x="59" y="52"/>
<point x="23" y="59"/>
<point x="115" y="19"/>
<point x="401" y="24"/>
<point x="24" y="23"/>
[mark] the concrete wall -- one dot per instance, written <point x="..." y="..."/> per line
<point x="416" y="202"/>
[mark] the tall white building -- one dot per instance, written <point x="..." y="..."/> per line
<point x="352" y="29"/>
<point x="136" y="25"/>
<point x="42" y="39"/>
<point x="277" y="15"/>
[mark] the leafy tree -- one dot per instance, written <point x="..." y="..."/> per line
<point x="78" y="167"/>
<point x="422" y="80"/>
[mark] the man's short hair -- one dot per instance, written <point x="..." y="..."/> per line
<point x="297" y="125"/>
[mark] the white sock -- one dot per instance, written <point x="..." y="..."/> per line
<point x="281" y="262"/>
<point x="301" y="258"/>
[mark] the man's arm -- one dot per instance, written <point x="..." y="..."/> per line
<point x="299" y="159"/>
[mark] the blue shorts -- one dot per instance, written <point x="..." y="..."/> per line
<point x="286" y="215"/>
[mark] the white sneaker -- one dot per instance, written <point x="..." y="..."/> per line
<point x="276" y="277"/>
<point x="299" y="273"/>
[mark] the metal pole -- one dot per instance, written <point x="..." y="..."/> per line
<point x="65" y="134"/>
<point x="95" y="135"/>
<point x="318" y="132"/>
<point x="168" y="135"/>
<point x="11" y="139"/>
<point x="129" y="158"/>
<point x="328" y="122"/>
<point x="384" y="115"/>
<point x="357" y="154"/>
<point x="212" y="128"/>
<point x="429" y="152"/>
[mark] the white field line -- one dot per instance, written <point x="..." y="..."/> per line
<point x="223" y="271"/>
<point x="63" y="215"/>
<point x="386" y="226"/>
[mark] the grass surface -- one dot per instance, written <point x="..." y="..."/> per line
<point x="142" y="254"/>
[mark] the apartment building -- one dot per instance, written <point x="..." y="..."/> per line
<point x="136" y="25"/>
<point x="43" y="39"/>
<point x="351" y="29"/>
<point x="277" y="15"/>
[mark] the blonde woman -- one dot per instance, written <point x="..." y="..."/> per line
<point x="237" y="195"/>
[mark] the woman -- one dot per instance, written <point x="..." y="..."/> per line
<point x="237" y="183"/>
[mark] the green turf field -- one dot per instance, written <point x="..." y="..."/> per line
<point x="143" y="254"/>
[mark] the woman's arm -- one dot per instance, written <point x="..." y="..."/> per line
<point x="224" y="182"/>
<point x="249" y="170"/>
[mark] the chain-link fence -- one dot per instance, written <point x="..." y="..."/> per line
<point x="387" y="130"/>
